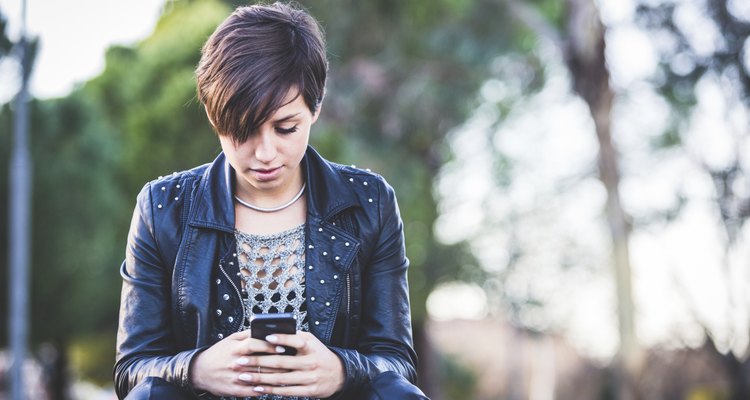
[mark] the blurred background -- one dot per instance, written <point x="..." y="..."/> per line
<point x="573" y="177"/>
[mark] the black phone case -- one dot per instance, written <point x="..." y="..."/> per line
<point x="262" y="325"/>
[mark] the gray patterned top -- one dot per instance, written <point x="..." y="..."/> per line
<point x="273" y="276"/>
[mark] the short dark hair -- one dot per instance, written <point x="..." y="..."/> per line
<point x="253" y="60"/>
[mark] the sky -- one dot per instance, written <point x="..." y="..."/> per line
<point x="73" y="37"/>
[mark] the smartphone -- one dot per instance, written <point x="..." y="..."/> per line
<point x="262" y="325"/>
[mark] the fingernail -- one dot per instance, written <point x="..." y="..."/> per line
<point x="280" y="349"/>
<point x="243" y="361"/>
<point x="272" y="338"/>
<point x="259" y="389"/>
<point x="245" y="377"/>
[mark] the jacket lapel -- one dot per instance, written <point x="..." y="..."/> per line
<point x="214" y="204"/>
<point x="330" y="251"/>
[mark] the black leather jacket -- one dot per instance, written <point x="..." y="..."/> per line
<point x="178" y="271"/>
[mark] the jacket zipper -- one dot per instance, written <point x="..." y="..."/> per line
<point x="347" y="325"/>
<point x="348" y="294"/>
<point x="239" y="296"/>
<point x="347" y="224"/>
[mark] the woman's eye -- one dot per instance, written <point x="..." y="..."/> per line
<point x="286" y="130"/>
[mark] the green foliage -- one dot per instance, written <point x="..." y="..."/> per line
<point x="5" y="43"/>
<point x="682" y="66"/>
<point x="707" y="393"/>
<point x="92" y="152"/>
<point x="668" y="139"/>
<point x="90" y="353"/>
<point x="149" y="95"/>
<point x="402" y="75"/>
<point x="457" y="381"/>
<point x="552" y="11"/>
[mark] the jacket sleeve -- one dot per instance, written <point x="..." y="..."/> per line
<point x="145" y="337"/>
<point x="385" y="339"/>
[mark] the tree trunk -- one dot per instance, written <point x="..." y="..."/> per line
<point x="585" y="59"/>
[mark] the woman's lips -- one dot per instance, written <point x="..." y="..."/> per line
<point x="266" y="174"/>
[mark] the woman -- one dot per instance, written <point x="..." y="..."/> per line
<point x="269" y="226"/>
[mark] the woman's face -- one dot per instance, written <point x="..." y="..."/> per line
<point x="267" y="165"/>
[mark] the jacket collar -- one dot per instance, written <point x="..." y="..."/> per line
<point x="328" y="192"/>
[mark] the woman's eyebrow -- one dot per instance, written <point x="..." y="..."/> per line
<point x="286" y="118"/>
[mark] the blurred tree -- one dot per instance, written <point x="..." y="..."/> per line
<point x="5" y="43"/>
<point x="94" y="149"/>
<point x="585" y="56"/>
<point x="401" y="74"/>
<point x="702" y="43"/>
<point x="572" y="32"/>
<point x="687" y="66"/>
<point x="575" y="29"/>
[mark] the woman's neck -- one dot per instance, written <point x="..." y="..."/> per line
<point x="272" y="197"/>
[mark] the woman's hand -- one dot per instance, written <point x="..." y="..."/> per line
<point x="314" y="372"/>
<point x="217" y="369"/>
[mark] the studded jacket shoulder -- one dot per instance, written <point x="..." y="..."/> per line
<point x="181" y="242"/>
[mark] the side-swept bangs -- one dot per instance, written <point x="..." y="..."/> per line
<point x="254" y="60"/>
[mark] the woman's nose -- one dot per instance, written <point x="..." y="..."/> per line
<point x="265" y="149"/>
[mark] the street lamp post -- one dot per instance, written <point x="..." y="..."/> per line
<point x="19" y="218"/>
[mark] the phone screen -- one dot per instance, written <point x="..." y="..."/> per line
<point x="262" y="325"/>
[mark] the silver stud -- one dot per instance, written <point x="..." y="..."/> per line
<point x="310" y="247"/>
<point x="333" y="237"/>
<point x="220" y="336"/>
<point x="218" y="281"/>
<point x="178" y="186"/>
<point x="335" y="277"/>
<point x="368" y="170"/>
<point x="312" y="298"/>
<point x="163" y="188"/>
<point x="346" y="244"/>
<point x="364" y="183"/>
<point x="218" y="312"/>
<point x="310" y="267"/>
<point x="328" y="304"/>
<point x="354" y="166"/>
<point x="226" y="296"/>
<point x="320" y="229"/>
<point x="337" y="258"/>
<point x="230" y="319"/>
<point x="334" y="224"/>
<point x="317" y="322"/>
<point x="322" y="281"/>
<point x="370" y="200"/>
<point x="325" y="253"/>
<point x="231" y="263"/>
<point x="160" y="177"/>
<point x="351" y="179"/>
<point x="159" y="206"/>
<point x="234" y="254"/>
<point x="176" y="198"/>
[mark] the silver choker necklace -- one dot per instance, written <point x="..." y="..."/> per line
<point x="273" y="209"/>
